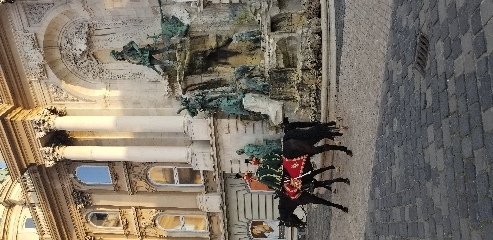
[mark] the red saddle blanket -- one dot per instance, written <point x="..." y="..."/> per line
<point x="294" y="167"/>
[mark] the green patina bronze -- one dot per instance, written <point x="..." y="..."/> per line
<point x="249" y="78"/>
<point x="206" y="101"/>
<point x="132" y="53"/>
<point x="140" y="56"/>
<point x="253" y="36"/>
<point x="261" y="151"/>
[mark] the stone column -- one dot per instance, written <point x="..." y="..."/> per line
<point x="121" y="123"/>
<point x="198" y="154"/>
<point x="52" y="119"/>
<point x="170" y="154"/>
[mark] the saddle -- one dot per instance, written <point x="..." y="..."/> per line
<point x="294" y="166"/>
<point x="292" y="184"/>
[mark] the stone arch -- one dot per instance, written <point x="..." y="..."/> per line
<point x="51" y="37"/>
<point x="70" y="54"/>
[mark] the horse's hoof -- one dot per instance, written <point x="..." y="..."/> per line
<point x="346" y="181"/>
<point x="345" y="209"/>
<point x="349" y="153"/>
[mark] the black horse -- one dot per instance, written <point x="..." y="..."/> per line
<point x="299" y="140"/>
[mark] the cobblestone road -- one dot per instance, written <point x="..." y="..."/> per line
<point x="423" y="164"/>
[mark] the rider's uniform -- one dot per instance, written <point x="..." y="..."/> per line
<point x="292" y="183"/>
<point x="270" y="173"/>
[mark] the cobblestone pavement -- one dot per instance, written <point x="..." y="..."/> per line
<point x="423" y="164"/>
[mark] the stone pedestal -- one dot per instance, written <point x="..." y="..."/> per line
<point x="210" y="202"/>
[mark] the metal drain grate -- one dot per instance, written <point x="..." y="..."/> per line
<point x="422" y="48"/>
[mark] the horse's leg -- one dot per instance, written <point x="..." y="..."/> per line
<point x="329" y="182"/>
<point x="290" y="126"/>
<point x="317" y="200"/>
<point x="316" y="172"/>
<point x="317" y="184"/>
<point x="328" y="147"/>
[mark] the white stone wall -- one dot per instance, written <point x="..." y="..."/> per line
<point x="235" y="134"/>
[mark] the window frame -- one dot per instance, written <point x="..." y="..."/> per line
<point x="26" y="228"/>
<point x="93" y="183"/>
<point x="182" y="222"/>
<point x="88" y="218"/>
<point x="175" y="174"/>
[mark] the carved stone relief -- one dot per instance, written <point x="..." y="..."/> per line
<point x="147" y="222"/>
<point x="138" y="177"/>
<point x="43" y="122"/>
<point x="114" y="176"/>
<point x="36" y="11"/>
<point x="126" y="176"/>
<point x="80" y="39"/>
<point x="32" y="57"/>
<point x="81" y="199"/>
<point x="58" y="95"/>
<point x="52" y="155"/>
<point x="124" y="222"/>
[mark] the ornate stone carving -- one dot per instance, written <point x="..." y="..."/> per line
<point x="36" y="11"/>
<point x="58" y="95"/>
<point x="43" y="122"/>
<point x="114" y="176"/>
<point x="138" y="177"/>
<point x="147" y="222"/>
<point x="124" y="221"/>
<point x="78" y="43"/>
<point x="32" y="57"/>
<point x="126" y="175"/>
<point x="81" y="199"/>
<point x="52" y="155"/>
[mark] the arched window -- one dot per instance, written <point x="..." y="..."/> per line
<point x="183" y="176"/>
<point x="93" y="174"/>
<point x="194" y="223"/>
<point x="29" y="224"/>
<point x="104" y="219"/>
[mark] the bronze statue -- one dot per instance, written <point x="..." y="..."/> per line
<point x="204" y="101"/>
<point x="261" y="151"/>
<point x="141" y="56"/>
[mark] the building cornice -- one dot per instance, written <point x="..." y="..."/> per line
<point x="13" y="89"/>
<point x="18" y="142"/>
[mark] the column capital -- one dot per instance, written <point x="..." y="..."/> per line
<point x="52" y="155"/>
<point x="81" y="199"/>
<point x="43" y="122"/>
<point x="198" y="128"/>
<point x="210" y="202"/>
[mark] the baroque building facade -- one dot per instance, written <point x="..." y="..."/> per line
<point x="95" y="146"/>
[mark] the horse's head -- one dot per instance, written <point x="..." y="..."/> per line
<point x="292" y="221"/>
<point x="286" y="212"/>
